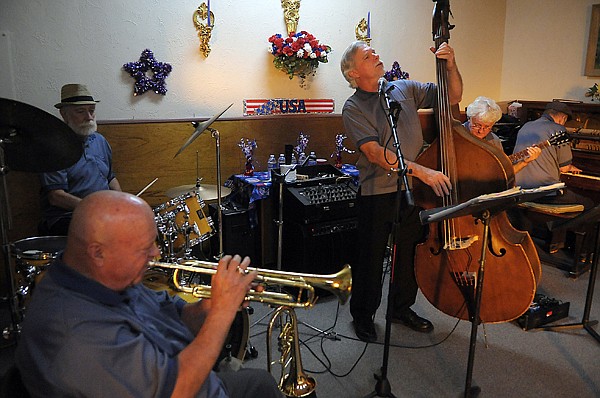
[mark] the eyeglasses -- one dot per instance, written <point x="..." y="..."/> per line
<point x="482" y="127"/>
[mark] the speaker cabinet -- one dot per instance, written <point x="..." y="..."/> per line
<point x="321" y="248"/>
<point x="239" y="237"/>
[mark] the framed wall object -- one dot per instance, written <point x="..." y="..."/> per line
<point x="592" y="59"/>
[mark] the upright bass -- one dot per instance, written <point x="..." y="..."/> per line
<point x="446" y="265"/>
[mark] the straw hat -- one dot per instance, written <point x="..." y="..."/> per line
<point x="75" y="94"/>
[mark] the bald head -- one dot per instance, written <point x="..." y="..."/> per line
<point x="108" y="229"/>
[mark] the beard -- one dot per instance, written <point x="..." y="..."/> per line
<point x="83" y="129"/>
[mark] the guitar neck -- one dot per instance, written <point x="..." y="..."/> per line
<point x="518" y="156"/>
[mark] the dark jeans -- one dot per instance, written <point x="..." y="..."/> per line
<point x="375" y="220"/>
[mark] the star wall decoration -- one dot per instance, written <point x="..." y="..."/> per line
<point x="143" y="81"/>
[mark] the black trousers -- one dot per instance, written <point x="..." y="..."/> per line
<point x="375" y="220"/>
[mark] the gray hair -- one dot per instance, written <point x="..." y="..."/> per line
<point x="347" y="62"/>
<point x="484" y="109"/>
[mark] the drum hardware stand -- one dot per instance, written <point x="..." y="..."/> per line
<point x="14" y="329"/>
<point x="588" y="217"/>
<point x="392" y="110"/>
<point x="200" y="128"/>
<point x="215" y="134"/>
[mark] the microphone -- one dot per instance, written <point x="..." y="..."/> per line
<point x="382" y="85"/>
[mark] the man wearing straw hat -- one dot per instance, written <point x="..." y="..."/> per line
<point x="62" y="190"/>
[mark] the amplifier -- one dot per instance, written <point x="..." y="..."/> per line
<point x="323" y="194"/>
<point x="543" y="310"/>
<point x="320" y="248"/>
<point x="319" y="203"/>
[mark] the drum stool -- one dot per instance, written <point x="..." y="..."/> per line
<point x="536" y="218"/>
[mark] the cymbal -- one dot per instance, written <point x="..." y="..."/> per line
<point x="206" y="192"/>
<point x="34" y="140"/>
<point x="200" y="127"/>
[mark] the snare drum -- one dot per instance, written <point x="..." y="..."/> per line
<point x="180" y="219"/>
<point x="33" y="256"/>
<point x="36" y="253"/>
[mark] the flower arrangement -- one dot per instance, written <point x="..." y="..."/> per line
<point x="298" y="54"/>
<point x="339" y="148"/>
<point x="248" y="147"/>
<point x="593" y="92"/>
<point x="396" y="73"/>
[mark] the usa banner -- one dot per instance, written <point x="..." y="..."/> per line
<point x="283" y="106"/>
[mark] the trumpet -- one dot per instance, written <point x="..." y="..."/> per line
<point x="340" y="283"/>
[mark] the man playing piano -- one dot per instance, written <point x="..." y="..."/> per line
<point x="546" y="169"/>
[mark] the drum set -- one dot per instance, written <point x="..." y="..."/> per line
<point x="182" y="223"/>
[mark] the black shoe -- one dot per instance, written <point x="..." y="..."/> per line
<point x="413" y="321"/>
<point x="365" y="330"/>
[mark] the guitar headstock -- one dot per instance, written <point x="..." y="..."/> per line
<point x="559" y="138"/>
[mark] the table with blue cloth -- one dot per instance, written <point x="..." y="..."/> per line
<point x="246" y="190"/>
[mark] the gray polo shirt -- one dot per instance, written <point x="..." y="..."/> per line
<point x="544" y="170"/>
<point x="365" y="120"/>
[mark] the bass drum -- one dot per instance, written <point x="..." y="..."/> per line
<point x="237" y="339"/>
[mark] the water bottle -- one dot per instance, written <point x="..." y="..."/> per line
<point x="271" y="163"/>
<point x="302" y="159"/>
<point x="313" y="159"/>
<point x="281" y="160"/>
<point x="294" y="161"/>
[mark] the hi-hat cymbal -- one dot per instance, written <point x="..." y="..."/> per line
<point x="34" y="140"/>
<point x="206" y="192"/>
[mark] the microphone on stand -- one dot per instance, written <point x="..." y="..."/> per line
<point x="382" y="85"/>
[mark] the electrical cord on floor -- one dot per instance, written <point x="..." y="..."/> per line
<point x="326" y="361"/>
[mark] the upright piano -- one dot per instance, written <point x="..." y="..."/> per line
<point x="584" y="131"/>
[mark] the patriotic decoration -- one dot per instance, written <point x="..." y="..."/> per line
<point x="282" y="106"/>
<point x="339" y="148"/>
<point x="248" y="147"/>
<point x="302" y="143"/>
<point x="144" y="82"/>
<point x="298" y="54"/>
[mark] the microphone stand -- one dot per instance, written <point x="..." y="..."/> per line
<point x="392" y="110"/>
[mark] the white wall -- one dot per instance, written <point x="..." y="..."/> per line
<point x="47" y="43"/>
<point x="544" y="49"/>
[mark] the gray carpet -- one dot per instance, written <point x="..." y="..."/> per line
<point x="532" y="363"/>
<point x="515" y="363"/>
